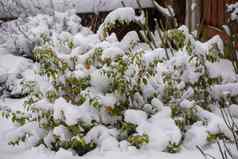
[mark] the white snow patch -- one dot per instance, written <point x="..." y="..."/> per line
<point x="136" y="117"/>
<point x="228" y="73"/>
<point x="74" y="114"/>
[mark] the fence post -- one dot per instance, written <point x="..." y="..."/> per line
<point x="193" y="14"/>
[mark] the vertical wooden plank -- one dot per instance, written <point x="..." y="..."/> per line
<point x="214" y="12"/>
<point x="221" y="12"/>
<point x="208" y="8"/>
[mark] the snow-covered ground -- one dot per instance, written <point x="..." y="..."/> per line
<point x="43" y="153"/>
<point x="170" y="97"/>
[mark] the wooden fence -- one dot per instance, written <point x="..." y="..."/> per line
<point x="213" y="11"/>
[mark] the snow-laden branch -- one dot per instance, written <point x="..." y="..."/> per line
<point x="168" y="12"/>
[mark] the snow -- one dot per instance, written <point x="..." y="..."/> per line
<point x="233" y="9"/>
<point x="146" y="108"/>
<point x="159" y="54"/>
<point x="84" y="42"/>
<point x="161" y="130"/>
<point x="234" y="110"/>
<point x="121" y="14"/>
<point x="224" y="89"/>
<point x="228" y="74"/>
<point x="196" y="135"/>
<point x="214" y="41"/>
<point x="130" y="39"/>
<point x="43" y="105"/>
<point x="11" y="64"/>
<point x="181" y="60"/>
<point x="42" y="153"/>
<point x="112" y="53"/>
<point x="187" y="104"/>
<point x="74" y="114"/>
<point x="103" y="137"/>
<point x="14" y="104"/>
<point x="35" y="134"/>
<point x="62" y="133"/>
<point x="19" y="36"/>
<point x="136" y="117"/>
<point x="100" y="81"/>
<point x="48" y="6"/>
<point x="157" y="103"/>
<point x="109" y="100"/>
<point x="215" y="123"/>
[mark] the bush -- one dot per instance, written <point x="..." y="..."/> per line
<point x="114" y="95"/>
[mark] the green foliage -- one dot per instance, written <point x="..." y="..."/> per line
<point x="76" y="143"/>
<point x="230" y="50"/>
<point x="52" y="95"/>
<point x="16" y="117"/>
<point x="178" y="38"/>
<point x="213" y="56"/>
<point x="108" y="28"/>
<point x="184" y="117"/>
<point x="81" y="146"/>
<point x="127" y="129"/>
<point x="139" y="140"/>
<point x="95" y="58"/>
<point x="215" y="137"/>
<point x="51" y="65"/>
<point x="118" y="109"/>
<point x="95" y="103"/>
<point x="72" y="88"/>
<point x="170" y="90"/>
<point x="33" y="97"/>
<point x="44" y="39"/>
<point x="173" y="147"/>
<point x="20" y="140"/>
<point x="71" y="44"/>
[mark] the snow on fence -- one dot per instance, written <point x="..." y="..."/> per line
<point x="14" y="8"/>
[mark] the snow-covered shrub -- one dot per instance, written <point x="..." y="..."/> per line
<point x="233" y="10"/>
<point x="178" y="40"/>
<point x="226" y="151"/>
<point x="20" y="36"/>
<point x="103" y="95"/>
<point x="230" y="30"/>
<point x="51" y="66"/>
